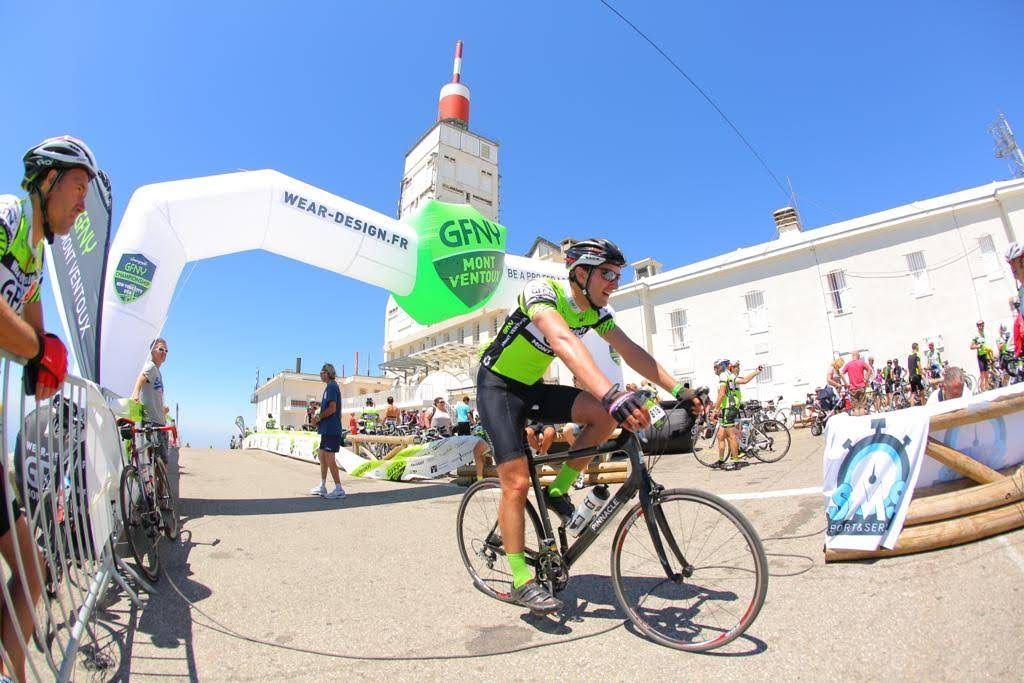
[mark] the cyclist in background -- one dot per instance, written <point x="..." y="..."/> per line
<point x="548" y="322"/>
<point x="984" y="351"/>
<point x="915" y="371"/>
<point x="1015" y="257"/>
<point x="371" y="416"/>
<point x="729" y="400"/>
<point x="1004" y="350"/>
<point x="933" y="359"/>
<point x="57" y="176"/>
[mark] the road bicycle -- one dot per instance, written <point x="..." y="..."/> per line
<point x="147" y="503"/>
<point x="767" y="440"/>
<point x="687" y="567"/>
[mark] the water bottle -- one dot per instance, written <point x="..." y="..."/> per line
<point x="594" y="501"/>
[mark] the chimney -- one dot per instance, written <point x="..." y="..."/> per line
<point x="298" y="365"/>
<point x="787" y="221"/>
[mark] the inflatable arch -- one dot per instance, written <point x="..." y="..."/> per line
<point x="446" y="261"/>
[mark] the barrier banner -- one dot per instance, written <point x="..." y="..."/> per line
<point x="871" y="467"/>
<point x="78" y="263"/>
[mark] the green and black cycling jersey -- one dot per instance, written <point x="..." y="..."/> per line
<point x="21" y="263"/>
<point x="520" y="351"/>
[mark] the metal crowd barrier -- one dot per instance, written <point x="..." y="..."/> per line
<point x="61" y="463"/>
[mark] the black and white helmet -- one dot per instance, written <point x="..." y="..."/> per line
<point x="593" y="252"/>
<point x="59" y="153"/>
<point x="721" y="363"/>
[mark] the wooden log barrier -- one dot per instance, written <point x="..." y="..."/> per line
<point x="962" y="464"/>
<point x="1009" y="489"/>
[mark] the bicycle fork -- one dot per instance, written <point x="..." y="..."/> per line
<point x="657" y="526"/>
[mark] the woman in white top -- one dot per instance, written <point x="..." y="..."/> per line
<point x="440" y="418"/>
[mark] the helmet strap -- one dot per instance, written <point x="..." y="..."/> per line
<point x="43" y="198"/>
<point x="586" y="286"/>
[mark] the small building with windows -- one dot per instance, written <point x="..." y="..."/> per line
<point x="927" y="271"/>
<point x="286" y="396"/>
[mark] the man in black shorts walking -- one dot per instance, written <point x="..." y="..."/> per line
<point x="328" y="424"/>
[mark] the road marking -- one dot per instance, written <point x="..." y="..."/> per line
<point x="814" y="490"/>
<point x="1012" y="552"/>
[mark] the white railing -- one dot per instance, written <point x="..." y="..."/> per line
<point x="61" y="462"/>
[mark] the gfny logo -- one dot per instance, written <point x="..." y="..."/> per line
<point x="468" y="255"/>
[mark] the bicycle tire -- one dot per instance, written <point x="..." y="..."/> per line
<point x="165" y="503"/>
<point x="680" y="626"/>
<point x="482" y="554"/>
<point x="136" y="509"/>
<point x="770" y="445"/>
<point x="706" y="455"/>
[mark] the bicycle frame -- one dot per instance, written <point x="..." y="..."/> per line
<point x="639" y="480"/>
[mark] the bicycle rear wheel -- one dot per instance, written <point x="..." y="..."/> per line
<point x="140" y="528"/>
<point x="724" y="572"/>
<point x="480" y="541"/>
<point x="771" y="441"/>
<point x="705" y="449"/>
<point x="165" y="500"/>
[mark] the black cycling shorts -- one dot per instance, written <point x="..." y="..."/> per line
<point x="506" y="405"/>
<point x="916" y="383"/>
<point x="984" y="365"/>
<point x="462" y="428"/>
<point x="730" y="416"/>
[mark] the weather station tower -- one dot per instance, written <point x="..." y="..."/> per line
<point x="449" y="162"/>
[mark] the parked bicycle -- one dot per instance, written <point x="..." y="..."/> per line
<point x="147" y="503"/>
<point x="767" y="440"/>
<point x="687" y="567"/>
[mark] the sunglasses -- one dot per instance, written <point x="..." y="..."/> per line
<point x="609" y="275"/>
<point x="161" y="350"/>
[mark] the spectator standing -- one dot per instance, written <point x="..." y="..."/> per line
<point x="391" y="413"/>
<point x="933" y="359"/>
<point x="149" y="391"/>
<point x="440" y="418"/>
<point x="915" y="373"/>
<point x="353" y="425"/>
<point x="328" y="425"/>
<point x="858" y="374"/>
<point x="463" y="417"/>
<point x="1015" y="257"/>
<point x="57" y="176"/>
<point x="834" y="379"/>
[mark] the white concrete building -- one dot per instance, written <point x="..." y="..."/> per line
<point x="922" y="272"/>
<point x="285" y="397"/>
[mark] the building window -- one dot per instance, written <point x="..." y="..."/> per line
<point x="757" y="311"/>
<point x="989" y="259"/>
<point x="918" y="273"/>
<point x="476" y="335"/>
<point x="485" y="151"/>
<point x="766" y="376"/>
<point x="835" y="285"/>
<point x="677" y="323"/>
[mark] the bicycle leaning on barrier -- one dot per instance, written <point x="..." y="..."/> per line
<point x="147" y="502"/>
<point x="695" y="581"/>
<point x="766" y="440"/>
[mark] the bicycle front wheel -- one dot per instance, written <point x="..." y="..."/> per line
<point x="140" y="526"/>
<point x="771" y="441"/>
<point x="722" y="569"/>
<point x="480" y="542"/>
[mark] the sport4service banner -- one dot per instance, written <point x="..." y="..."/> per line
<point x="871" y="468"/>
<point x="78" y="263"/>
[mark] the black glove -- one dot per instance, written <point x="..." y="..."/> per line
<point x="621" y="404"/>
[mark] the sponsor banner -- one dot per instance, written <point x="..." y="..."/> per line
<point x="78" y="264"/>
<point x="133" y="277"/>
<point x="418" y="461"/>
<point x="871" y="467"/>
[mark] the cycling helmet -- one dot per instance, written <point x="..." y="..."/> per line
<point x="62" y="152"/>
<point x="593" y="252"/>
<point x="720" y="362"/>
<point x="1014" y="251"/>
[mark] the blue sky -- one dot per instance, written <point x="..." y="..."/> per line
<point x="862" y="107"/>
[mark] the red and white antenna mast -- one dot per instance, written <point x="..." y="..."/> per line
<point x="453" y="104"/>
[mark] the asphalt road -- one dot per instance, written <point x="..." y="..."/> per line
<point x="376" y="577"/>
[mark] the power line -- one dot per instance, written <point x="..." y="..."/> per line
<point x="704" y="95"/>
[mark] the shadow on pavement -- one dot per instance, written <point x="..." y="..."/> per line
<point x="193" y="508"/>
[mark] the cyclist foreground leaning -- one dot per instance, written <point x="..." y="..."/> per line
<point x="549" y="321"/>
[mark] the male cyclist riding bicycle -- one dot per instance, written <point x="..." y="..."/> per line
<point x="549" y="321"/>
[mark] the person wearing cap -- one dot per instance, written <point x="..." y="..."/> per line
<point x="328" y="425"/>
<point x="57" y="175"/>
<point x="984" y="351"/>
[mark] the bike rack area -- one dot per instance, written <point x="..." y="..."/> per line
<point x="62" y="460"/>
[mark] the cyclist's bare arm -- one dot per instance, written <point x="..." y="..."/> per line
<point x="16" y="333"/>
<point x="137" y="389"/>
<point x="571" y="350"/>
<point x="749" y="376"/>
<point x="636" y="357"/>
